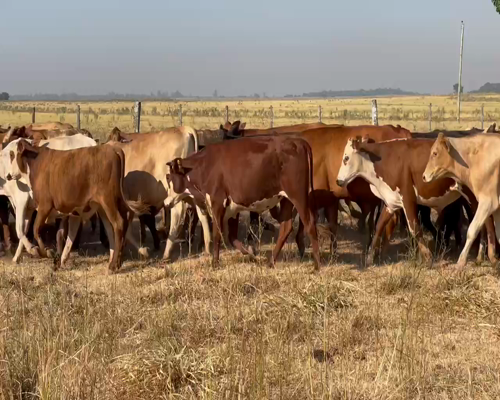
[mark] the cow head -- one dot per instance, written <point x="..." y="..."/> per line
<point x="232" y="131"/>
<point x="16" y="158"/>
<point x="355" y="161"/>
<point x="117" y="136"/>
<point x="440" y="159"/>
<point x="177" y="182"/>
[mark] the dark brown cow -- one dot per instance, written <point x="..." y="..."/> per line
<point x="238" y="129"/>
<point x="249" y="174"/>
<point x="77" y="183"/>
<point x="394" y="169"/>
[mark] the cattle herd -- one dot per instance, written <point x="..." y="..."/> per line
<point x="52" y="172"/>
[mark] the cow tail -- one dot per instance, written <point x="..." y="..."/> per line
<point x="192" y="133"/>
<point x="311" y="176"/>
<point x="138" y="207"/>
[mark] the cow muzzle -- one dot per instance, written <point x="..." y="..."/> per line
<point x="340" y="182"/>
<point x="9" y="177"/>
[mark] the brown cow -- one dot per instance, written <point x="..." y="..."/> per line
<point x="237" y="129"/>
<point x="77" y="183"/>
<point x="249" y="174"/>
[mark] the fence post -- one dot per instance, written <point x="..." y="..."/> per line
<point x="78" y="116"/>
<point x="137" y="111"/>
<point x="180" y="114"/>
<point x="33" y="115"/>
<point x="482" y="116"/>
<point x="374" y="112"/>
<point x="320" y="113"/>
<point x="227" y="113"/>
<point x="430" y="117"/>
<point x="272" y="116"/>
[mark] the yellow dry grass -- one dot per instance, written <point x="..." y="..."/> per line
<point x="400" y="331"/>
<point x="411" y="112"/>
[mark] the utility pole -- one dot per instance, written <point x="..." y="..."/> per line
<point x="460" y="72"/>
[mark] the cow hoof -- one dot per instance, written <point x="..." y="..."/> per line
<point x="35" y="252"/>
<point x="270" y="264"/>
<point x="51" y="254"/>
<point x="144" y="252"/>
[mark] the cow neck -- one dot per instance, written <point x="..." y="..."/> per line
<point x="461" y="154"/>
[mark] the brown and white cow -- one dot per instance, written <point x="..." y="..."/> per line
<point x="474" y="162"/>
<point x="249" y="174"/>
<point x="77" y="183"/>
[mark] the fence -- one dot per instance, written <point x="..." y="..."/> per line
<point x="199" y="114"/>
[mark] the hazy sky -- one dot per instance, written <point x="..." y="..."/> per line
<point x="243" y="47"/>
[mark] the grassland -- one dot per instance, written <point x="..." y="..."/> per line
<point x="396" y="331"/>
<point x="411" y="112"/>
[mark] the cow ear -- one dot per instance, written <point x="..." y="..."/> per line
<point x="356" y="143"/>
<point x="26" y="149"/>
<point x="227" y="125"/>
<point x="444" y="141"/>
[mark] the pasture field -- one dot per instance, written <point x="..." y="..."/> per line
<point x="411" y="112"/>
<point x="400" y="330"/>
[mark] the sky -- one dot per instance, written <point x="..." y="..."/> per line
<point x="238" y="47"/>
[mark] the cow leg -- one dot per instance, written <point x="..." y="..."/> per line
<point x="411" y="212"/>
<point x="43" y="212"/>
<point x="492" y="240"/>
<point x="382" y="223"/>
<point x="73" y="227"/>
<point x="23" y="219"/>
<point x="93" y="223"/>
<point x="233" y="237"/>
<point x="496" y="217"/>
<point x="331" y="212"/>
<point x="307" y="216"/>
<point x="205" y="224"/>
<point x="218" y="212"/>
<point x="62" y="233"/>
<point x="177" y="214"/>
<point x="482" y="213"/>
<point x="142" y="230"/>
<point x="149" y="221"/>
<point x="4" y="218"/>
<point x="286" y="226"/>
<point x="119" y="222"/>
<point x="103" y="236"/>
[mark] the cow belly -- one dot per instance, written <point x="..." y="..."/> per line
<point x="438" y="202"/>
<point x="392" y="198"/>
<point x="260" y="206"/>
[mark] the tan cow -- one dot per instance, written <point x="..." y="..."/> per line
<point x="146" y="171"/>
<point x="474" y="162"/>
<point x="49" y="126"/>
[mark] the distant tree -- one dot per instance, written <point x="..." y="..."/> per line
<point x="215" y="93"/>
<point x="496" y="3"/>
<point x="455" y="88"/>
<point x="256" y="95"/>
<point x="177" y="95"/>
<point x="4" y="96"/>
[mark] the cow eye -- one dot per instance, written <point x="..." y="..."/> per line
<point x="346" y="159"/>
<point x="435" y="153"/>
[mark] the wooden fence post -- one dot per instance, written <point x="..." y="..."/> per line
<point x="33" y="115"/>
<point x="430" y="117"/>
<point x="78" y="117"/>
<point x="180" y="114"/>
<point x="482" y="116"/>
<point x="137" y="112"/>
<point x="320" y="113"/>
<point x="227" y="113"/>
<point x="374" y="112"/>
<point x="272" y="116"/>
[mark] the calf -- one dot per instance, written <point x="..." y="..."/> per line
<point x="394" y="171"/>
<point x="249" y="174"/>
<point x="76" y="183"/>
